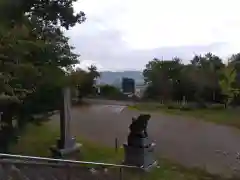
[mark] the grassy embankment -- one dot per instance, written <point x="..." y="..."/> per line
<point x="37" y="139"/>
<point x="215" y="113"/>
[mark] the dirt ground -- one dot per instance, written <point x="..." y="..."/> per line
<point x="189" y="142"/>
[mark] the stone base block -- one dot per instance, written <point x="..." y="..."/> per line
<point x="138" y="142"/>
<point x="140" y="157"/>
<point x="70" y="151"/>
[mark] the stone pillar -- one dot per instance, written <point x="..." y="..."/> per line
<point x="65" y="119"/>
<point x="66" y="145"/>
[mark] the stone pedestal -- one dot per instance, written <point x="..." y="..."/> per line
<point x="140" y="157"/>
<point x="68" y="151"/>
<point x="138" y="141"/>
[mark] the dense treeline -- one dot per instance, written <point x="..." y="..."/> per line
<point x="205" y="80"/>
<point x="36" y="60"/>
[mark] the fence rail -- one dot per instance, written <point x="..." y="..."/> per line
<point x="18" y="167"/>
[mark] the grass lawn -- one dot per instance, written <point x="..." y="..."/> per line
<point x="229" y="117"/>
<point x="37" y="140"/>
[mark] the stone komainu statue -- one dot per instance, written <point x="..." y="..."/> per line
<point x="139" y="148"/>
<point x="139" y="125"/>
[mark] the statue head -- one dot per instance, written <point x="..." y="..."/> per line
<point x="139" y="124"/>
<point x="144" y="117"/>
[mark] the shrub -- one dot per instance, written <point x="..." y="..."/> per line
<point x="111" y="92"/>
<point x="172" y="105"/>
<point x="185" y="108"/>
<point x="216" y="106"/>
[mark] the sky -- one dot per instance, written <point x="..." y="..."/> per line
<point x="126" y="34"/>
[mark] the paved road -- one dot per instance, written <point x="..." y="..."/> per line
<point x="108" y="102"/>
<point x="184" y="140"/>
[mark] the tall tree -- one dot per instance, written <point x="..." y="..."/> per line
<point x="174" y="80"/>
<point x="162" y="76"/>
<point x="207" y="70"/>
<point x="33" y="50"/>
<point x="84" y="80"/>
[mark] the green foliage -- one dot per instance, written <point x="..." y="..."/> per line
<point x="84" y="81"/>
<point x="111" y="92"/>
<point x="170" y="80"/>
<point x="31" y="40"/>
<point x="33" y="54"/>
<point x="229" y="75"/>
<point x="216" y="106"/>
<point x="162" y="77"/>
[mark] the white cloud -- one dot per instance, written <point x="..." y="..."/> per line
<point x="115" y="28"/>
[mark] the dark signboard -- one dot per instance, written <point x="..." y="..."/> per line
<point x="128" y="85"/>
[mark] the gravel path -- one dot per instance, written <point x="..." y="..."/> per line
<point x="187" y="141"/>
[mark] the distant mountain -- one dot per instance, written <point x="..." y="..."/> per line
<point x="114" y="78"/>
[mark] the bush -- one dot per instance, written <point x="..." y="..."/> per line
<point x="159" y="106"/>
<point x="186" y="108"/>
<point x="110" y="92"/>
<point x="45" y="99"/>
<point x="173" y="105"/>
<point x="193" y="106"/>
<point x="216" y="106"/>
